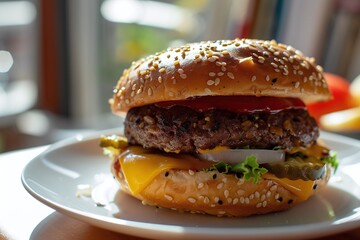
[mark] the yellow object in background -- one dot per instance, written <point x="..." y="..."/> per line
<point x="346" y="120"/>
<point x="355" y="89"/>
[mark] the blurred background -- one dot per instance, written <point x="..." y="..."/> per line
<point x="60" y="59"/>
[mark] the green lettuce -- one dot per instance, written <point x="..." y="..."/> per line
<point x="332" y="160"/>
<point x="248" y="169"/>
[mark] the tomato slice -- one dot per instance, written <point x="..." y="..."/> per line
<point x="237" y="103"/>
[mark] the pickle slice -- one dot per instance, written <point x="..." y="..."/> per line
<point x="114" y="141"/>
<point x="297" y="168"/>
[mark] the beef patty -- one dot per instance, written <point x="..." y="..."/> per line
<point x="182" y="129"/>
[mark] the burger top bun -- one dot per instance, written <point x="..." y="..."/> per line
<point x="227" y="67"/>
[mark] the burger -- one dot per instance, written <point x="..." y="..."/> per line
<point x="220" y="128"/>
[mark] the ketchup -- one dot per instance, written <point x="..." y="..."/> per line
<point x="237" y="103"/>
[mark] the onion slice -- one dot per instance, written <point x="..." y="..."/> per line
<point x="234" y="156"/>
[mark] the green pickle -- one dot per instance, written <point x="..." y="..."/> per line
<point x="298" y="168"/>
<point x="113" y="141"/>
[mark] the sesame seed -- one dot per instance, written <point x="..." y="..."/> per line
<point x="200" y="185"/>
<point x="150" y="92"/>
<point x="222" y="212"/>
<point x="220" y="185"/>
<point x="319" y="68"/>
<point x="261" y="59"/>
<point x="220" y="74"/>
<point x="300" y="72"/>
<point x="168" y="197"/>
<point x="206" y="200"/>
<point x="180" y="70"/>
<point x="210" y="82"/>
<point x="235" y="201"/>
<point x="253" y="78"/>
<point x="257" y="194"/>
<point x="159" y="79"/>
<point x="259" y="205"/>
<point x="183" y="76"/>
<point x="251" y="196"/>
<point x="192" y="200"/>
<point x="212" y="74"/>
<point x="217" y="81"/>
<point x="277" y="70"/>
<point x="216" y="199"/>
<point x="266" y="53"/>
<point x="211" y="59"/>
<point x="263" y="197"/>
<point x="191" y="172"/>
<point x="223" y="68"/>
<point x="264" y="203"/>
<point x="247" y="200"/>
<point x="268" y="194"/>
<point x="229" y="200"/>
<point x="240" y="192"/>
<point x="273" y="188"/>
<point x="161" y="70"/>
<point x="242" y="200"/>
<point x="207" y="90"/>
<point x="277" y="196"/>
<point x="267" y="78"/>
<point x="297" y="84"/>
<point x="198" y="60"/>
<point x="240" y="182"/>
<point x="230" y="75"/>
<point x="226" y="193"/>
<point x="274" y="65"/>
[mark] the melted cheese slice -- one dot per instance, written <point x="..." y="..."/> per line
<point x="141" y="166"/>
<point x="302" y="189"/>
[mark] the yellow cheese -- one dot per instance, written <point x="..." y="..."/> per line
<point x="140" y="166"/>
<point x="216" y="149"/>
<point x="315" y="150"/>
<point x="302" y="189"/>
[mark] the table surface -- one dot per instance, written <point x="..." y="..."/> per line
<point x="23" y="217"/>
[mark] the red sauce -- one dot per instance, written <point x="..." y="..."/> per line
<point x="237" y="103"/>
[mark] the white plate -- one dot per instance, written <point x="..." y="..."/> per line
<point x="55" y="177"/>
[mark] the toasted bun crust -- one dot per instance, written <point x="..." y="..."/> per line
<point x="216" y="193"/>
<point x="228" y="67"/>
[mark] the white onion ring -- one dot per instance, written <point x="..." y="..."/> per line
<point x="234" y="156"/>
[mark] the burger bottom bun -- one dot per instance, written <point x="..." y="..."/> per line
<point x="216" y="193"/>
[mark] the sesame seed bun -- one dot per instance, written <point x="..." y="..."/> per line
<point x="229" y="67"/>
<point x="217" y="193"/>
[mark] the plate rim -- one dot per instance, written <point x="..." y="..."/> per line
<point x="169" y="230"/>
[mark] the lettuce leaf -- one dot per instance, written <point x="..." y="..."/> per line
<point x="332" y="160"/>
<point x="248" y="169"/>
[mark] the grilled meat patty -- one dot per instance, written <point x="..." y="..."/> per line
<point x="183" y="129"/>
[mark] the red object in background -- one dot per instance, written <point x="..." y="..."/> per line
<point x="341" y="99"/>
